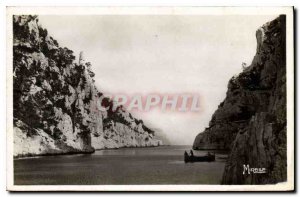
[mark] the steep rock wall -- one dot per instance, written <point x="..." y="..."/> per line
<point x="251" y="121"/>
<point x="55" y="100"/>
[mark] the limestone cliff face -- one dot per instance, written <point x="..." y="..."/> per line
<point x="55" y="100"/>
<point x="251" y="121"/>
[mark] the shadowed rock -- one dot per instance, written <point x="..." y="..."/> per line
<point x="251" y="121"/>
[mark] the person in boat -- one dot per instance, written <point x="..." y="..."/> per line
<point x="192" y="154"/>
<point x="186" y="154"/>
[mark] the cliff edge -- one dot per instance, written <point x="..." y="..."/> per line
<point x="251" y="121"/>
<point x="55" y="100"/>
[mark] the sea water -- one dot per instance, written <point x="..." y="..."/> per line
<point x="150" y="165"/>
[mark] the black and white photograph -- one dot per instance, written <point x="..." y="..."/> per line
<point x="150" y="99"/>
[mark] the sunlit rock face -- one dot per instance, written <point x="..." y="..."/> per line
<point x="55" y="100"/>
<point x="251" y="121"/>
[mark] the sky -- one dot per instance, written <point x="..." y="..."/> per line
<point x="163" y="54"/>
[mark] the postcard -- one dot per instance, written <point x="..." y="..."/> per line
<point x="150" y="99"/>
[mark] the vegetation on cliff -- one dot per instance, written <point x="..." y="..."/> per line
<point x="251" y="121"/>
<point x="55" y="99"/>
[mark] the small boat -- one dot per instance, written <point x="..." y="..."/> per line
<point x="192" y="158"/>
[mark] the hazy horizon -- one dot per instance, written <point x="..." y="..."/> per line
<point x="164" y="54"/>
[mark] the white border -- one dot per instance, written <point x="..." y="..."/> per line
<point x="288" y="11"/>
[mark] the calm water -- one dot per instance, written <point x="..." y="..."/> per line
<point x="157" y="165"/>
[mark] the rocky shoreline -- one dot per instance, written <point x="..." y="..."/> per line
<point x="251" y="121"/>
<point x="79" y="152"/>
<point x="56" y="102"/>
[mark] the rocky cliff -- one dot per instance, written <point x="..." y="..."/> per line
<point x="251" y="121"/>
<point x="55" y="100"/>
